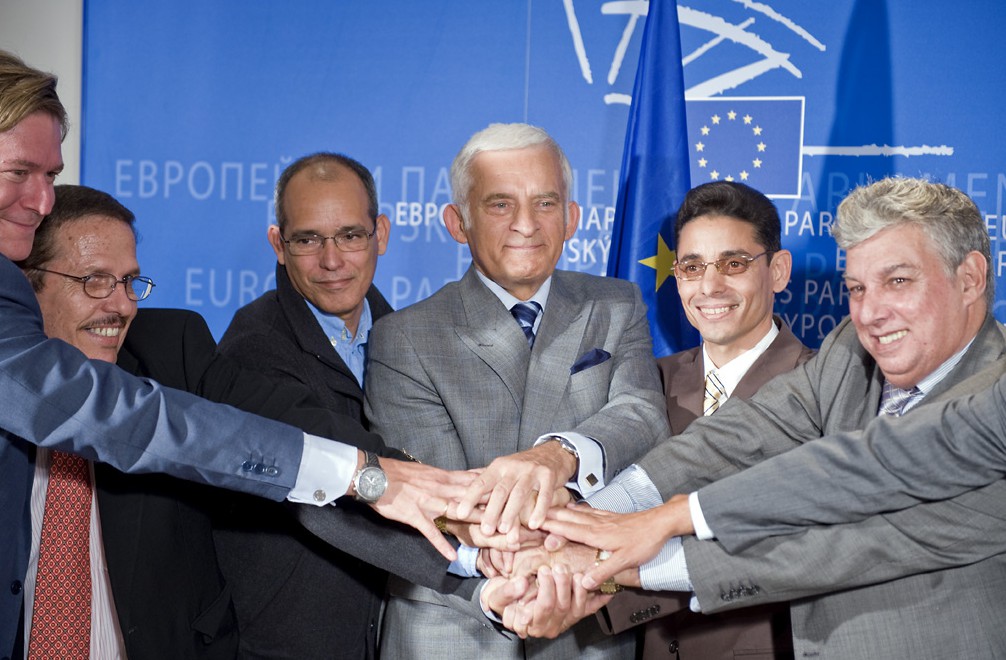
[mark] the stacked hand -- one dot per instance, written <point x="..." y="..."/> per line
<point x="540" y="553"/>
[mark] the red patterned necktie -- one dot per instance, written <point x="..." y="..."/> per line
<point x="61" y="617"/>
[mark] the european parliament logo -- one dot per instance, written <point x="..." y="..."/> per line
<point x="751" y="140"/>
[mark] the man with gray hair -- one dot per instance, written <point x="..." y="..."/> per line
<point x="894" y="586"/>
<point x="533" y="371"/>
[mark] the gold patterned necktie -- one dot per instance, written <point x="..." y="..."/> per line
<point x="715" y="394"/>
<point x="61" y="616"/>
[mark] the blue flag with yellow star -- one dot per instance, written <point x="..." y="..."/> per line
<point x="654" y="179"/>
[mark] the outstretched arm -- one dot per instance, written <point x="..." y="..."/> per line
<point x="937" y="452"/>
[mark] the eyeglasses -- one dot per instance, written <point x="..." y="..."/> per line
<point x="352" y="240"/>
<point x="101" y="285"/>
<point x="691" y="269"/>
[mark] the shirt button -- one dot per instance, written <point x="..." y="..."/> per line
<point x="319" y="495"/>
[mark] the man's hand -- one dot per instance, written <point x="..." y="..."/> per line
<point x="576" y="557"/>
<point x="511" y="482"/>
<point x="632" y="538"/>
<point x="471" y="535"/>
<point x="417" y="494"/>
<point x="499" y="593"/>
<point x="560" y="601"/>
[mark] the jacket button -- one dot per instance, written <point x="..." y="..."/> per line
<point x="15" y="587"/>
<point x="673" y="646"/>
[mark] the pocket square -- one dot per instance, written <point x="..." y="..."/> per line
<point x="589" y="359"/>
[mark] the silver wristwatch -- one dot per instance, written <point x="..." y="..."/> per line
<point x="568" y="446"/>
<point x="370" y="482"/>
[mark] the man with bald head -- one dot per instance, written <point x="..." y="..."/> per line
<point x="296" y="597"/>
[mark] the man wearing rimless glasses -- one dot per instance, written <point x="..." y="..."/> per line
<point x="295" y="597"/>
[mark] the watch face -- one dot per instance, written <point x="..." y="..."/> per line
<point x="372" y="483"/>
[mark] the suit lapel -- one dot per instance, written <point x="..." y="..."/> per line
<point x="311" y="338"/>
<point x="989" y="345"/>
<point x="688" y="386"/>
<point x="122" y="554"/>
<point x="782" y="355"/>
<point x="556" y="347"/>
<point x="490" y="332"/>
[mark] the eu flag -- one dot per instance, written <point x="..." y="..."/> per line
<point x="654" y="179"/>
<point x="750" y="140"/>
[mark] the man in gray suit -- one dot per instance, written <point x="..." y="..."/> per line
<point x="896" y="462"/>
<point x="904" y="585"/>
<point x="461" y="381"/>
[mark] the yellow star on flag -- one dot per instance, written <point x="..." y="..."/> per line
<point x="662" y="262"/>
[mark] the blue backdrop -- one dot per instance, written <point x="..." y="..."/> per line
<point x="191" y="109"/>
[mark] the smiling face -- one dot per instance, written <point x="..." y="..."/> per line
<point x="30" y="159"/>
<point x="334" y="281"/>
<point x="92" y="244"/>
<point x="908" y="313"/>
<point x="520" y="217"/>
<point x="731" y="312"/>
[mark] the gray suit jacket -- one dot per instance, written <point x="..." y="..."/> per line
<point x="53" y="396"/>
<point x="940" y="451"/>
<point x="451" y="380"/>
<point x="917" y="583"/>
<point x="673" y="631"/>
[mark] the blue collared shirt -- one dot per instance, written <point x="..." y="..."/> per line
<point x="352" y="349"/>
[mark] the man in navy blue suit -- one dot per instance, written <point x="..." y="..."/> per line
<point x="55" y="397"/>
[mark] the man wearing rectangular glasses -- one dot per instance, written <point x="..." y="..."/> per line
<point x="293" y="596"/>
<point x="143" y="534"/>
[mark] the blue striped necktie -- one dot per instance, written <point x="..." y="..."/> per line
<point x="526" y="314"/>
<point x="894" y="400"/>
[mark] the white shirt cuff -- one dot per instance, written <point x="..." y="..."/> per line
<point x="631" y="490"/>
<point x="465" y="565"/>
<point x="699" y="524"/>
<point x="326" y="470"/>
<point x="589" y="476"/>
<point x="668" y="570"/>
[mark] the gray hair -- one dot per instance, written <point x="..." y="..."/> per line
<point x="499" y="137"/>
<point x="947" y="216"/>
